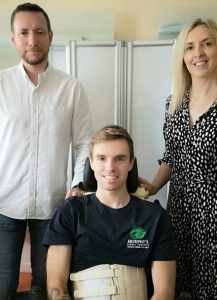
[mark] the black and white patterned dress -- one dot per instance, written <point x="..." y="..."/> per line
<point x="192" y="202"/>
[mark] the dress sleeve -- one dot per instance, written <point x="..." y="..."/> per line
<point x="167" y="155"/>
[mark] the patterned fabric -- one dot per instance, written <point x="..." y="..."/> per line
<point x="192" y="202"/>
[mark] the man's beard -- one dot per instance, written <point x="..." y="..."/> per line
<point x="36" y="61"/>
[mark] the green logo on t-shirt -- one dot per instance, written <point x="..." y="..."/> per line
<point x="137" y="233"/>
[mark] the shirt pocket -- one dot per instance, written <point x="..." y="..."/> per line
<point x="56" y="119"/>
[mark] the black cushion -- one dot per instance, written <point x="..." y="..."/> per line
<point x="90" y="183"/>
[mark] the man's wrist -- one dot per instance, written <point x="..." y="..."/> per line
<point x="56" y="293"/>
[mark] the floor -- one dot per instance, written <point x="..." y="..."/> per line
<point x="24" y="281"/>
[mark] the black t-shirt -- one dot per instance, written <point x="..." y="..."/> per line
<point x="134" y="235"/>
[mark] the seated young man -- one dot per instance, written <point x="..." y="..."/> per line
<point x="110" y="229"/>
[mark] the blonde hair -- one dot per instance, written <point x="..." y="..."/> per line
<point x="181" y="76"/>
<point x="112" y="132"/>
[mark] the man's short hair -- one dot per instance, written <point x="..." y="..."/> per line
<point x="30" y="7"/>
<point x="112" y="132"/>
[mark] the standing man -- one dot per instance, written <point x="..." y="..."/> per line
<point x="42" y="110"/>
<point x="107" y="239"/>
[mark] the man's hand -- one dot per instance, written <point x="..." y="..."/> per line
<point x="77" y="190"/>
<point x="74" y="192"/>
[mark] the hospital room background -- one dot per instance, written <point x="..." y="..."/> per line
<point x="145" y="31"/>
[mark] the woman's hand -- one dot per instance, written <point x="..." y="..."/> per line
<point x="147" y="186"/>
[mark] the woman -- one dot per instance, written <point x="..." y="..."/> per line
<point x="190" y="159"/>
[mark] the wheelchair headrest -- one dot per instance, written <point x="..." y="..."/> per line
<point x="90" y="183"/>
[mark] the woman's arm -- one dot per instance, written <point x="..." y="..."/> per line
<point x="58" y="271"/>
<point x="162" y="177"/>
<point x="164" y="277"/>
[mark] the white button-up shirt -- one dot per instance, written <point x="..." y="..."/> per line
<point x="37" y="124"/>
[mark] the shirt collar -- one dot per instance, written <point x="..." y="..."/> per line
<point x="23" y="72"/>
<point x="41" y="76"/>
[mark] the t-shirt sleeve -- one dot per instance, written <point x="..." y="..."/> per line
<point x="60" y="228"/>
<point x="164" y="245"/>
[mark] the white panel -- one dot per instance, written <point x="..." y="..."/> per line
<point x="151" y="85"/>
<point x="96" y="66"/>
<point x="57" y="57"/>
<point x="96" y="70"/>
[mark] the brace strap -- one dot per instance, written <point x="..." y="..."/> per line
<point x="93" y="292"/>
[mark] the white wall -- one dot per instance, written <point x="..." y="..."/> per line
<point x="128" y="19"/>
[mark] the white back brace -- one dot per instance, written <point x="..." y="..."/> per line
<point x="109" y="282"/>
